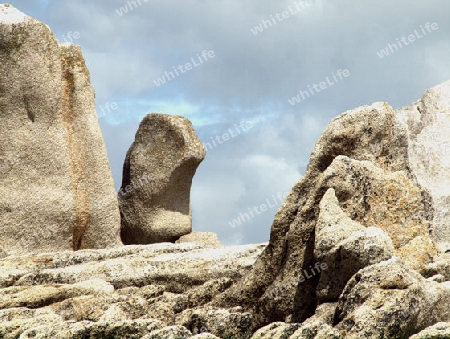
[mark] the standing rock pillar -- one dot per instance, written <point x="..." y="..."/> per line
<point x="157" y="175"/>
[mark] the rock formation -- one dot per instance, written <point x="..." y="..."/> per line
<point x="427" y="123"/>
<point x="389" y="300"/>
<point x="56" y="187"/>
<point x="352" y="254"/>
<point x="438" y="331"/>
<point x="128" y="292"/>
<point x="359" y="249"/>
<point x="154" y="198"/>
<point x="356" y="251"/>
<point x="362" y="201"/>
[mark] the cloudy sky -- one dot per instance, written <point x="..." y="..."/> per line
<point x="264" y="53"/>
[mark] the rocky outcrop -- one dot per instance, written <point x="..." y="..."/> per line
<point x="345" y="246"/>
<point x="427" y="123"/>
<point x="204" y="239"/>
<point x="363" y="157"/>
<point x="437" y="331"/>
<point x="224" y="323"/>
<point x="388" y="300"/>
<point x="56" y="187"/>
<point x="318" y="326"/>
<point x="157" y="175"/>
<point x="352" y="254"/>
<point x="357" y="250"/>
<point x="384" y="300"/>
<point x="156" y="291"/>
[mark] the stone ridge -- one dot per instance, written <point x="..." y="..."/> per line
<point x="126" y="292"/>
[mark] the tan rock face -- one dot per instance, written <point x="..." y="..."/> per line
<point x="56" y="187"/>
<point x="125" y="292"/>
<point x="390" y="201"/>
<point x="427" y="122"/>
<point x="437" y="331"/>
<point x="205" y="239"/>
<point x="345" y="246"/>
<point x="157" y="176"/>
<point x="380" y="208"/>
<point x="388" y="300"/>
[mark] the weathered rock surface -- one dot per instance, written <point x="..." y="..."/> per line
<point x="56" y="187"/>
<point x="204" y="239"/>
<point x="384" y="300"/>
<point x="439" y="269"/>
<point x="276" y="330"/>
<point x="319" y="326"/>
<point x="363" y="156"/>
<point x="388" y="300"/>
<point x="345" y="246"/>
<point x="437" y="331"/>
<point x="357" y="250"/>
<point x="225" y="323"/>
<point x="427" y="122"/>
<point x="157" y="175"/>
<point x="156" y="291"/>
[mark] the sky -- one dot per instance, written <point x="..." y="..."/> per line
<point x="250" y="60"/>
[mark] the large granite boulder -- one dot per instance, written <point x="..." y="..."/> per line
<point x="388" y="300"/>
<point x="345" y="246"/>
<point x="439" y="330"/>
<point x="157" y="175"/>
<point x="56" y="186"/>
<point x="427" y="123"/>
<point x="377" y="203"/>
